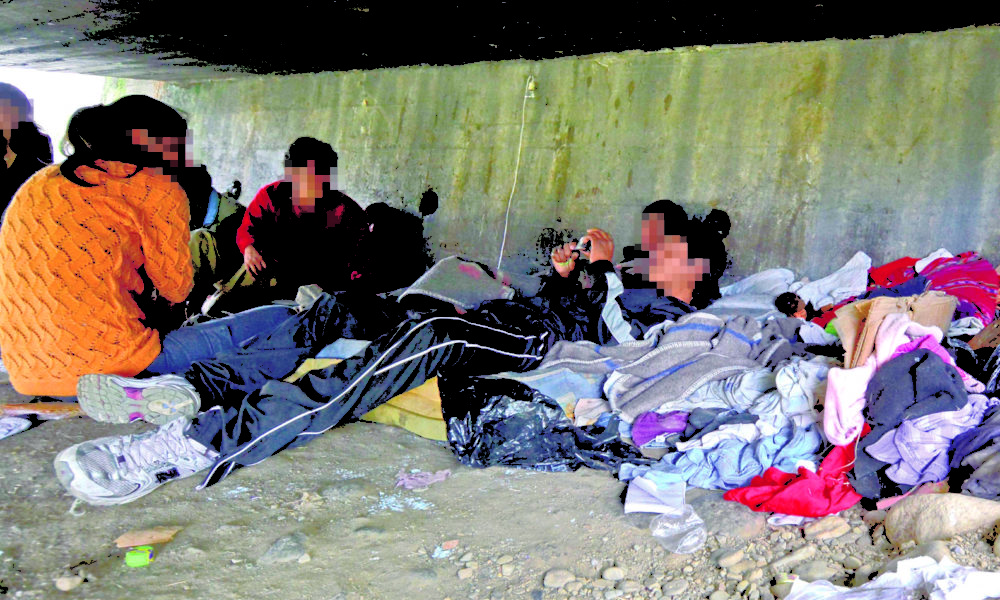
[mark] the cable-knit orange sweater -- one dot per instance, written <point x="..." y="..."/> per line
<point x="68" y="260"/>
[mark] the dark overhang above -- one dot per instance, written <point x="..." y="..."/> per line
<point x="183" y="40"/>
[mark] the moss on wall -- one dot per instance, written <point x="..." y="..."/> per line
<point x="815" y="149"/>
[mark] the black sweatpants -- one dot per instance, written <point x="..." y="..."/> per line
<point x="227" y="379"/>
<point x="275" y="415"/>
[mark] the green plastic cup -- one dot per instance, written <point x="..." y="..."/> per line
<point x="140" y="556"/>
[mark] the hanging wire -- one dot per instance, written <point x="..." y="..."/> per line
<point x="517" y="165"/>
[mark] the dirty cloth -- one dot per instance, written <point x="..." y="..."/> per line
<point x="984" y="481"/>
<point x="737" y="392"/>
<point x="702" y="421"/>
<point x="562" y="384"/>
<point x="461" y="282"/>
<point x="571" y="372"/>
<point x="697" y="349"/>
<point x="797" y="383"/>
<point x="738" y="432"/>
<point x="657" y="488"/>
<point x="805" y="493"/>
<point x="759" y="306"/>
<point x="645" y="496"/>
<point x="894" y="273"/>
<point x="776" y="398"/>
<point x="770" y="282"/>
<point x="975" y="458"/>
<point x="926" y="261"/>
<point x="845" y="392"/>
<point x="909" y="386"/>
<point x="917" y="450"/>
<point x="811" y="333"/>
<point x="648" y="426"/>
<point x="846" y="282"/>
<point x="968" y="277"/>
<point x="589" y="410"/>
<point x="858" y="323"/>
<point x="420" y="480"/>
<point x="733" y="463"/>
<point x="920" y="577"/>
<point x="964" y="326"/>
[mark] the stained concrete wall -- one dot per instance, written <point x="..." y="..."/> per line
<point x="815" y="149"/>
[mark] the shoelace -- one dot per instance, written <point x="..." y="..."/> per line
<point x="138" y="454"/>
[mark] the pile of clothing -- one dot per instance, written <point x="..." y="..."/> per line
<point x="882" y="394"/>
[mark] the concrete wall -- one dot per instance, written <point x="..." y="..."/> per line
<point x="815" y="149"/>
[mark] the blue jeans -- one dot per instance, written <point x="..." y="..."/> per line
<point x="205" y="341"/>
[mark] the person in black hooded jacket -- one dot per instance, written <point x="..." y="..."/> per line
<point x="251" y="414"/>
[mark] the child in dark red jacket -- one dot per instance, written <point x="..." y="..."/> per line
<point x="302" y="230"/>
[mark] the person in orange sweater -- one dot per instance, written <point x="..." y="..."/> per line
<point x="74" y="239"/>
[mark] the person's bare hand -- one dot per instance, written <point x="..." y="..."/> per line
<point x="563" y="260"/>
<point x="253" y="260"/>
<point x="602" y="246"/>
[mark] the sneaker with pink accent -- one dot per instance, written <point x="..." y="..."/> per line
<point x="116" y="399"/>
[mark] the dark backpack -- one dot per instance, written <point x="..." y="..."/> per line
<point x="395" y="251"/>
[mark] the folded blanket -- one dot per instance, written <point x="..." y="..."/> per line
<point x="464" y="283"/>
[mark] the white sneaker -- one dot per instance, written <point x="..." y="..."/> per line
<point x="116" y="399"/>
<point x="119" y="469"/>
<point x="13" y="425"/>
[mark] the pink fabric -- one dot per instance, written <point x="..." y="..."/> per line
<point x="897" y="329"/>
<point x="420" y="480"/>
<point x="937" y="487"/>
<point x="845" y="401"/>
<point x="969" y="277"/>
<point x="928" y="342"/>
<point x="843" y="408"/>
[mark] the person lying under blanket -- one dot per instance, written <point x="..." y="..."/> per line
<point x="250" y="414"/>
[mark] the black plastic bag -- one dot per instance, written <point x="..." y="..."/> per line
<point x="505" y="422"/>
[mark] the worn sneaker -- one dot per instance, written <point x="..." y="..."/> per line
<point x="13" y="425"/>
<point x="116" y="399"/>
<point x="119" y="469"/>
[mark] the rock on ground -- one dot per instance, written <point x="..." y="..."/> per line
<point x="285" y="549"/>
<point x="557" y="578"/>
<point x="932" y="517"/>
<point x="725" y="518"/>
<point x="829" y="527"/>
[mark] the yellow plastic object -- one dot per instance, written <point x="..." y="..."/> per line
<point x="417" y="411"/>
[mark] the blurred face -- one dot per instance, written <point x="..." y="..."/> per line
<point x="800" y="309"/>
<point x="307" y="184"/>
<point x="9" y="118"/>
<point x="668" y="264"/>
<point x="170" y="148"/>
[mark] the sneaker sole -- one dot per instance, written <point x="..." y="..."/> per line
<point x="107" y="398"/>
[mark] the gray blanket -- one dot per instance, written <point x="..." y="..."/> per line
<point x="697" y="349"/>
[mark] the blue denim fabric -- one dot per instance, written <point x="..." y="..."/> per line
<point x="733" y="463"/>
<point x="181" y="348"/>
